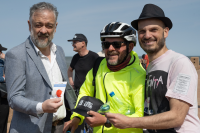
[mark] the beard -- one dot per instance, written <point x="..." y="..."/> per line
<point x="160" y="45"/>
<point x="41" y="43"/>
<point x="119" y="60"/>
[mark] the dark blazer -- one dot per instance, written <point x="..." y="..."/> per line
<point x="27" y="84"/>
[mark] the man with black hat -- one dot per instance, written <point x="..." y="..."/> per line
<point x="81" y="62"/>
<point x="171" y="88"/>
<point x="4" y="108"/>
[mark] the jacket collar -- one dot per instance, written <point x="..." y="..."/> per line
<point x="61" y="63"/>
<point x="37" y="60"/>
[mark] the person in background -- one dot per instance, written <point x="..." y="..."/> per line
<point x="120" y="71"/>
<point x="81" y="62"/>
<point x="2" y="57"/>
<point x="31" y="69"/>
<point x="143" y="63"/>
<point x="171" y="87"/>
<point x="101" y="53"/>
<point x="145" y="57"/>
<point x="4" y="107"/>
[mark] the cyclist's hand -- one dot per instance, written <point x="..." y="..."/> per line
<point x="96" y="119"/>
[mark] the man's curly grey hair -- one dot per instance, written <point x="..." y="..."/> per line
<point x="43" y="6"/>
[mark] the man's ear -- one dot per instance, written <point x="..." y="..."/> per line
<point x="83" y="44"/>
<point x="166" y="31"/>
<point x="55" y="27"/>
<point x="29" y="24"/>
<point x="131" y="46"/>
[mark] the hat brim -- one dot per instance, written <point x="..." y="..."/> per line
<point x="166" y="21"/>
<point x="75" y="39"/>
<point x="81" y="112"/>
<point x="3" y="49"/>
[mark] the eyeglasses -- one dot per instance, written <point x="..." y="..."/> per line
<point x="106" y="45"/>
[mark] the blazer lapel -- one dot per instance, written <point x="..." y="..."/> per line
<point x="61" y="64"/>
<point x="37" y="60"/>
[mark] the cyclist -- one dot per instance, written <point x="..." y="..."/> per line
<point x="120" y="71"/>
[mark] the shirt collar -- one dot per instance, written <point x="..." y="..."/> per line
<point x="52" y="48"/>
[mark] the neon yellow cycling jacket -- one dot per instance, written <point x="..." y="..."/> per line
<point x="127" y="84"/>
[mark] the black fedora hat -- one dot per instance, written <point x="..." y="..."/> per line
<point x="152" y="11"/>
<point x="2" y="48"/>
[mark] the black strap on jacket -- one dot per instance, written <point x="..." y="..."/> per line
<point x="95" y="69"/>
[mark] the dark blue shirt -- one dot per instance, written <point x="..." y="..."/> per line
<point x="1" y="70"/>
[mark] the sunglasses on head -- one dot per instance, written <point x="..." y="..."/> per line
<point x="106" y="45"/>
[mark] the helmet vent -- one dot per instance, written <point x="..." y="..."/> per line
<point x="110" y="27"/>
<point x="106" y="27"/>
<point x="119" y="29"/>
<point x="124" y="27"/>
<point x="116" y="27"/>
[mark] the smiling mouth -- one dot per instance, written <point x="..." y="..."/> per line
<point x="42" y="37"/>
<point x="149" y="42"/>
<point x="112" y="55"/>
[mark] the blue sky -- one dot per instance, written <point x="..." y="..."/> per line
<point x="90" y="16"/>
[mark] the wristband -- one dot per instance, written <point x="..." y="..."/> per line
<point x="107" y="124"/>
<point x="78" y="117"/>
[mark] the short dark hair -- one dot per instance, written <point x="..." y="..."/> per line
<point x="143" y="56"/>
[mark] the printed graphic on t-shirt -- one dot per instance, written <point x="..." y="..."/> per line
<point x="156" y="88"/>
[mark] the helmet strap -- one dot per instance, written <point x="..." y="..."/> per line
<point x="127" y="52"/>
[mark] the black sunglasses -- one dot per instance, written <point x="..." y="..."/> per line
<point x="106" y="45"/>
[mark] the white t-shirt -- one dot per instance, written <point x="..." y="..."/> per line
<point x="101" y="53"/>
<point x="172" y="75"/>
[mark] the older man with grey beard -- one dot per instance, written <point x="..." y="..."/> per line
<point x="32" y="68"/>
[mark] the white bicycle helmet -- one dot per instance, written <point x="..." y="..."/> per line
<point x="119" y="29"/>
